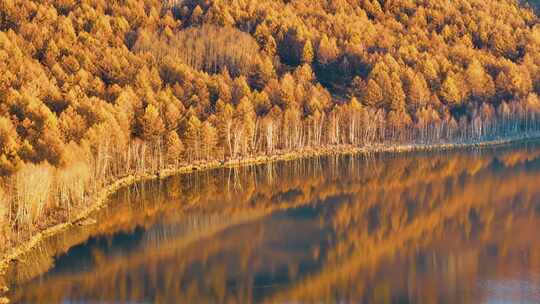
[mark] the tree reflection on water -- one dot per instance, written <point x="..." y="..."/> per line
<point x="456" y="227"/>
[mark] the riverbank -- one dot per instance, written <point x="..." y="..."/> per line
<point x="101" y="199"/>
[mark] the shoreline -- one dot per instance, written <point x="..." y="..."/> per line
<point x="101" y="199"/>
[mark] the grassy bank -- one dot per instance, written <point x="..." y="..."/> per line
<point x="100" y="200"/>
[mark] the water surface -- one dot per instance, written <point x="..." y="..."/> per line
<point x="449" y="227"/>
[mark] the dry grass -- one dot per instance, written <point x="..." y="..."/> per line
<point x="32" y="192"/>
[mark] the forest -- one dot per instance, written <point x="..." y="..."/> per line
<point x="93" y="90"/>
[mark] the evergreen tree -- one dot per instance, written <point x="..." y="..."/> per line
<point x="307" y="53"/>
<point x="450" y="91"/>
<point x="175" y="147"/>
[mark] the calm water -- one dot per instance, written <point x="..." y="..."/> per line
<point x="459" y="227"/>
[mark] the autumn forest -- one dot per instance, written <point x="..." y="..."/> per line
<point x="95" y="90"/>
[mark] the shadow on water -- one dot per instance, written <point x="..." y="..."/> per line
<point x="457" y="227"/>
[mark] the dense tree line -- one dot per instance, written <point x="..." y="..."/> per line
<point x="91" y="90"/>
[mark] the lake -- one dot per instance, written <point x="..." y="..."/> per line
<point x="426" y="227"/>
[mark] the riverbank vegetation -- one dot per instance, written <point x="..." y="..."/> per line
<point x="91" y="91"/>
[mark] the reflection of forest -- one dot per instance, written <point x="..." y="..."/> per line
<point x="385" y="229"/>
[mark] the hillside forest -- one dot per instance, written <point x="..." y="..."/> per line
<point x="93" y="90"/>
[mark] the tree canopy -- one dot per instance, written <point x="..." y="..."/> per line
<point x="137" y="85"/>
